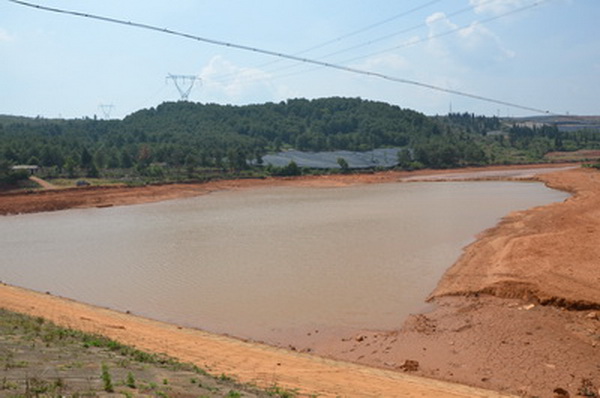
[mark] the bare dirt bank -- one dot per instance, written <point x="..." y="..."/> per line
<point x="550" y="254"/>
<point x="118" y="195"/>
<point x="247" y="362"/>
<point x="518" y="312"/>
<point x="488" y="328"/>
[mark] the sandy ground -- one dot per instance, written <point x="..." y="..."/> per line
<point x="247" y="362"/>
<point x="518" y="312"/>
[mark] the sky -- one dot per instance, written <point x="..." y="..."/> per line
<point x="539" y="54"/>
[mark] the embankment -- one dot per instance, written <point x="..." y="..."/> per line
<point x="518" y="312"/>
<point x="550" y="254"/>
<point x="515" y="314"/>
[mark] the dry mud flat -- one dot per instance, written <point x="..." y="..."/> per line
<point x="518" y="313"/>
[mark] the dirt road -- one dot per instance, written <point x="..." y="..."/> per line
<point x="42" y="183"/>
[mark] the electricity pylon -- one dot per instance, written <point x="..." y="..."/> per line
<point x="106" y="109"/>
<point x="184" y="84"/>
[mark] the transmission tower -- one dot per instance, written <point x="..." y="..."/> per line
<point x="106" y="109"/>
<point x="184" y="84"/>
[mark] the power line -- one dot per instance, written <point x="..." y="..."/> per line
<point x="449" y="32"/>
<point x="414" y="42"/>
<point x="409" y="44"/>
<point x="369" y="27"/>
<point x="279" y="55"/>
<point x="342" y="37"/>
<point x="227" y="76"/>
<point x="390" y="35"/>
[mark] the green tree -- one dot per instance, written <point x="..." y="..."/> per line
<point x="290" y="170"/>
<point x="9" y="176"/>
<point x="126" y="160"/>
<point x="236" y="159"/>
<point x="190" y="164"/>
<point x="405" y="160"/>
<point x="70" y="167"/>
<point x="144" y="156"/>
<point x="343" y="165"/>
<point x="93" y="171"/>
<point x="86" y="159"/>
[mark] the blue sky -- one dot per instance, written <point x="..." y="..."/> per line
<point x="544" y="56"/>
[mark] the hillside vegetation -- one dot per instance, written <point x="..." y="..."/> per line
<point x="192" y="141"/>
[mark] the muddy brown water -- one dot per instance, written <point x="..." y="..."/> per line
<point x="262" y="263"/>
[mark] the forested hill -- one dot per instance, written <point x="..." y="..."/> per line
<point x="185" y="140"/>
<point x="186" y="134"/>
<point x="317" y="125"/>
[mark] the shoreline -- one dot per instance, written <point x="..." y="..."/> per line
<point x="12" y="203"/>
<point x="517" y="312"/>
<point x="253" y="363"/>
<point x="529" y="349"/>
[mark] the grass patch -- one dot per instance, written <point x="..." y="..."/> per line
<point x="72" y="182"/>
<point x="107" y="379"/>
<point x="39" y="358"/>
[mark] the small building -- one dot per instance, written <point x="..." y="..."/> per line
<point x="31" y="169"/>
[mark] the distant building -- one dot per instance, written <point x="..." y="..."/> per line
<point x="32" y="169"/>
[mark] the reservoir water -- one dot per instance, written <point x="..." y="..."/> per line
<point x="262" y="262"/>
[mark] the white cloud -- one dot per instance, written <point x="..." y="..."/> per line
<point x="473" y="45"/>
<point x="5" y="36"/>
<point x="392" y="62"/>
<point x="224" y="81"/>
<point x="496" y="7"/>
<point x="438" y="23"/>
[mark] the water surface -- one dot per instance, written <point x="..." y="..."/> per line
<point x="266" y="261"/>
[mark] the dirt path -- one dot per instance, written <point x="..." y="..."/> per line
<point x="43" y="183"/>
<point x="247" y="362"/>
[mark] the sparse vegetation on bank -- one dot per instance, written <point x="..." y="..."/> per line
<point x="40" y="359"/>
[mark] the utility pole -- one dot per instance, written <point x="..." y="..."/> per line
<point x="184" y="84"/>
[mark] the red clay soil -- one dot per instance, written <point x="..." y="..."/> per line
<point x="518" y="313"/>
<point x="119" y="195"/>
<point x="246" y="362"/>
<point x="549" y="254"/>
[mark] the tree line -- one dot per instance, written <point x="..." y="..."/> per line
<point x="185" y="140"/>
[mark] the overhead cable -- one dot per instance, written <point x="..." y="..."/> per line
<point x="369" y="27"/>
<point x="412" y="42"/>
<point x="341" y="38"/>
<point x="446" y="33"/>
<point x="280" y="55"/>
